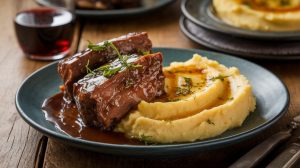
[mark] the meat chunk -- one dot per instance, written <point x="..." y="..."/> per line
<point x="74" y="68"/>
<point x="102" y="101"/>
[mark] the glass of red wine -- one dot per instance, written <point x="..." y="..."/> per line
<point x="45" y="32"/>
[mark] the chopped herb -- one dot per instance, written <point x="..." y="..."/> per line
<point x="88" y="70"/>
<point x="210" y="122"/>
<point x="111" y="71"/>
<point x="188" y="81"/>
<point x="143" y="52"/>
<point x="221" y="77"/>
<point x="230" y="98"/>
<point x="134" y="66"/>
<point x="96" y="47"/>
<point x="183" y="91"/>
<point x="103" y="68"/>
<point x="146" y="139"/>
<point x="108" y="70"/>
<point x="115" y="48"/>
<point x="186" y="89"/>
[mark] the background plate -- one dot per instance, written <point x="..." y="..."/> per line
<point x="271" y="94"/>
<point x="274" y="50"/>
<point x="147" y="6"/>
<point x="201" y="13"/>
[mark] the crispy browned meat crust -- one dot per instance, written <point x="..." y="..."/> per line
<point x="103" y="102"/>
<point x="74" y="68"/>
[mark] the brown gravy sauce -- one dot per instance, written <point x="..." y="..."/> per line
<point x="66" y="118"/>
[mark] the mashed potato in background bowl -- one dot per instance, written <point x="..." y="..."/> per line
<point x="263" y="15"/>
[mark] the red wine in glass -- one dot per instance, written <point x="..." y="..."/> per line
<point x="45" y="33"/>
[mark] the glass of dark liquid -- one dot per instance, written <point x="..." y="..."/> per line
<point x="45" y="32"/>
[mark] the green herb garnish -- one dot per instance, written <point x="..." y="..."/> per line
<point x="230" y="98"/>
<point x="221" y="77"/>
<point x="210" y="122"/>
<point x="143" y="52"/>
<point x="109" y="70"/>
<point x="186" y="88"/>
<point x="182" y="91"/>
<point x="146" y="139"/>
<point x="88" y="70"/>
<point x="188" y="82"/>
<point x="96" y="47"/>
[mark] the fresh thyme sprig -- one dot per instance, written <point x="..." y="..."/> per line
<point x="115" y="48"/>
<point x="96" y="47"/>
<point x="109" y="70"/>
<point x="88" y="70"/>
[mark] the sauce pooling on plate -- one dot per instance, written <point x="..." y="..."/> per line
<point x="66" y="118"/>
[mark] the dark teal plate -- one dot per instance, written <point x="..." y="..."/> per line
<point x="147" y="6"/>
<point x="201" y="13"/>
<point x="271" y="94"/>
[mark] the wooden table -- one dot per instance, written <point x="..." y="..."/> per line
<point x="22" y="146"/>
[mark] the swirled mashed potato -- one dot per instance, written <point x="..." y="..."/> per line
<point x="264" y="15"/>
<point x="203" y="99"/>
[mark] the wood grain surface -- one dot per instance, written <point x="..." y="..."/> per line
<point x="19" y="142"/>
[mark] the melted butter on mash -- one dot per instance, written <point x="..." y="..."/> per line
<point x="264" y="15"/>
<point x="203" y="99"/>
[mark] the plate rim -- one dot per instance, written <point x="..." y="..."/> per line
<point x="119" y="12"/>
<point x="191" y="36"/>
<point x="151" y="149"/>
<point x="236" y="31"/>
